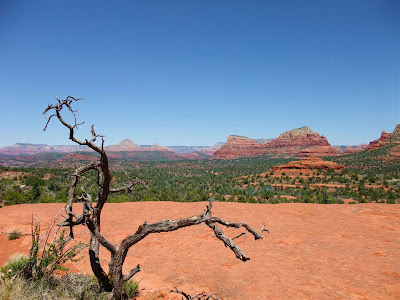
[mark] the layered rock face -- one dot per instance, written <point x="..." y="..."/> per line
<point x="293" y="141"/>
<point x="382" y="141"/>
<point x="306" y="166"/>
<point x="386" y="139"/>
<point x="240" y="146"/>
<point x="302" y="142"/>
<point x="317" y="151"/>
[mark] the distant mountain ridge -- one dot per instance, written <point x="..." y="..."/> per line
<point x="298" y="142"/>
<point x="191" y="152"/>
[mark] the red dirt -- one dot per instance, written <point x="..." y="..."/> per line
<point x="313" y="251"/>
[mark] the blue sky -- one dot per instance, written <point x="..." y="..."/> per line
<point x="194" y="72"/>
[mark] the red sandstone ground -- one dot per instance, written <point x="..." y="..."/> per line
<point x="313" y="251"/>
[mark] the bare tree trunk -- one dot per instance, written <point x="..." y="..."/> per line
<point x="98" y="271"/>
<point x="116" y="276"/>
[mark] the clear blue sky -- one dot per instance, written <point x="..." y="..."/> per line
<point x="194" y="72"/>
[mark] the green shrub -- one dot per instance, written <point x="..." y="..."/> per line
<point x="132" y="288"/>
<point x="15" y="264"/>
<point x="52" y="255"/>
<point x="14" y="234"/>
<point x="70" y="286"/>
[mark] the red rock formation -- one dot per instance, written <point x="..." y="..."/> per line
<point x="240" y="146"/>
<point x="301" y="141"/>
<point x="317" y="151"/>
<point x="382" y="141"/>
<point x="293" y="141"/>
<point x="306" y="166"/>
<point x="354" y="149"/>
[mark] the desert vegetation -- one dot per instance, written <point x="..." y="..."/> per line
<point x="243" y="180"/>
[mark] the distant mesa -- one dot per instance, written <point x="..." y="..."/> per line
<point x="240" y="146"/>
<point x="297" y="141"/>
<point x="31" y="149"/>
<point x="24" y="154"/>
<point x="354" y="149"/>
<point x="306" y="166"/>
<point x="302" y="142"/>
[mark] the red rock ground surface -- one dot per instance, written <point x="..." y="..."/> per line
<point x="312" y="252"/>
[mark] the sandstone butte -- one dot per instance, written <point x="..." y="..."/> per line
<point x="386" y="139"/>
<point x="313" y="251"/>
<point x="240" y="146"/>
<point x="302" y="142"/>
<point x="306" y="166"/>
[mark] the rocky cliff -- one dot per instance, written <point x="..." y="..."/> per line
<point x="382" y="141"/>
<point x="240" y="146"/>
<point x="302" y="142"/>
<point x="306" y="166"/>
<point x="296" y="140"/>
<point x="317" y="151"/>
<point x="385" y="139"/>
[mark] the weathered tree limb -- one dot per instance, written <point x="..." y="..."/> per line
<point x="96" y="232"/>
<point x="129" y="186"/>
<point x="132" y="273"/>
<point x="201" y="296"/>
<point x="239" y="235"/>
<point x="238" y="225"/>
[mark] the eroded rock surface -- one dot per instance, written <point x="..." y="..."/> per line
<point x="306" y="166"/>
<point x="313" y="251"/>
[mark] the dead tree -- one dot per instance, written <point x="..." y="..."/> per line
<point x="91" y="214"/>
